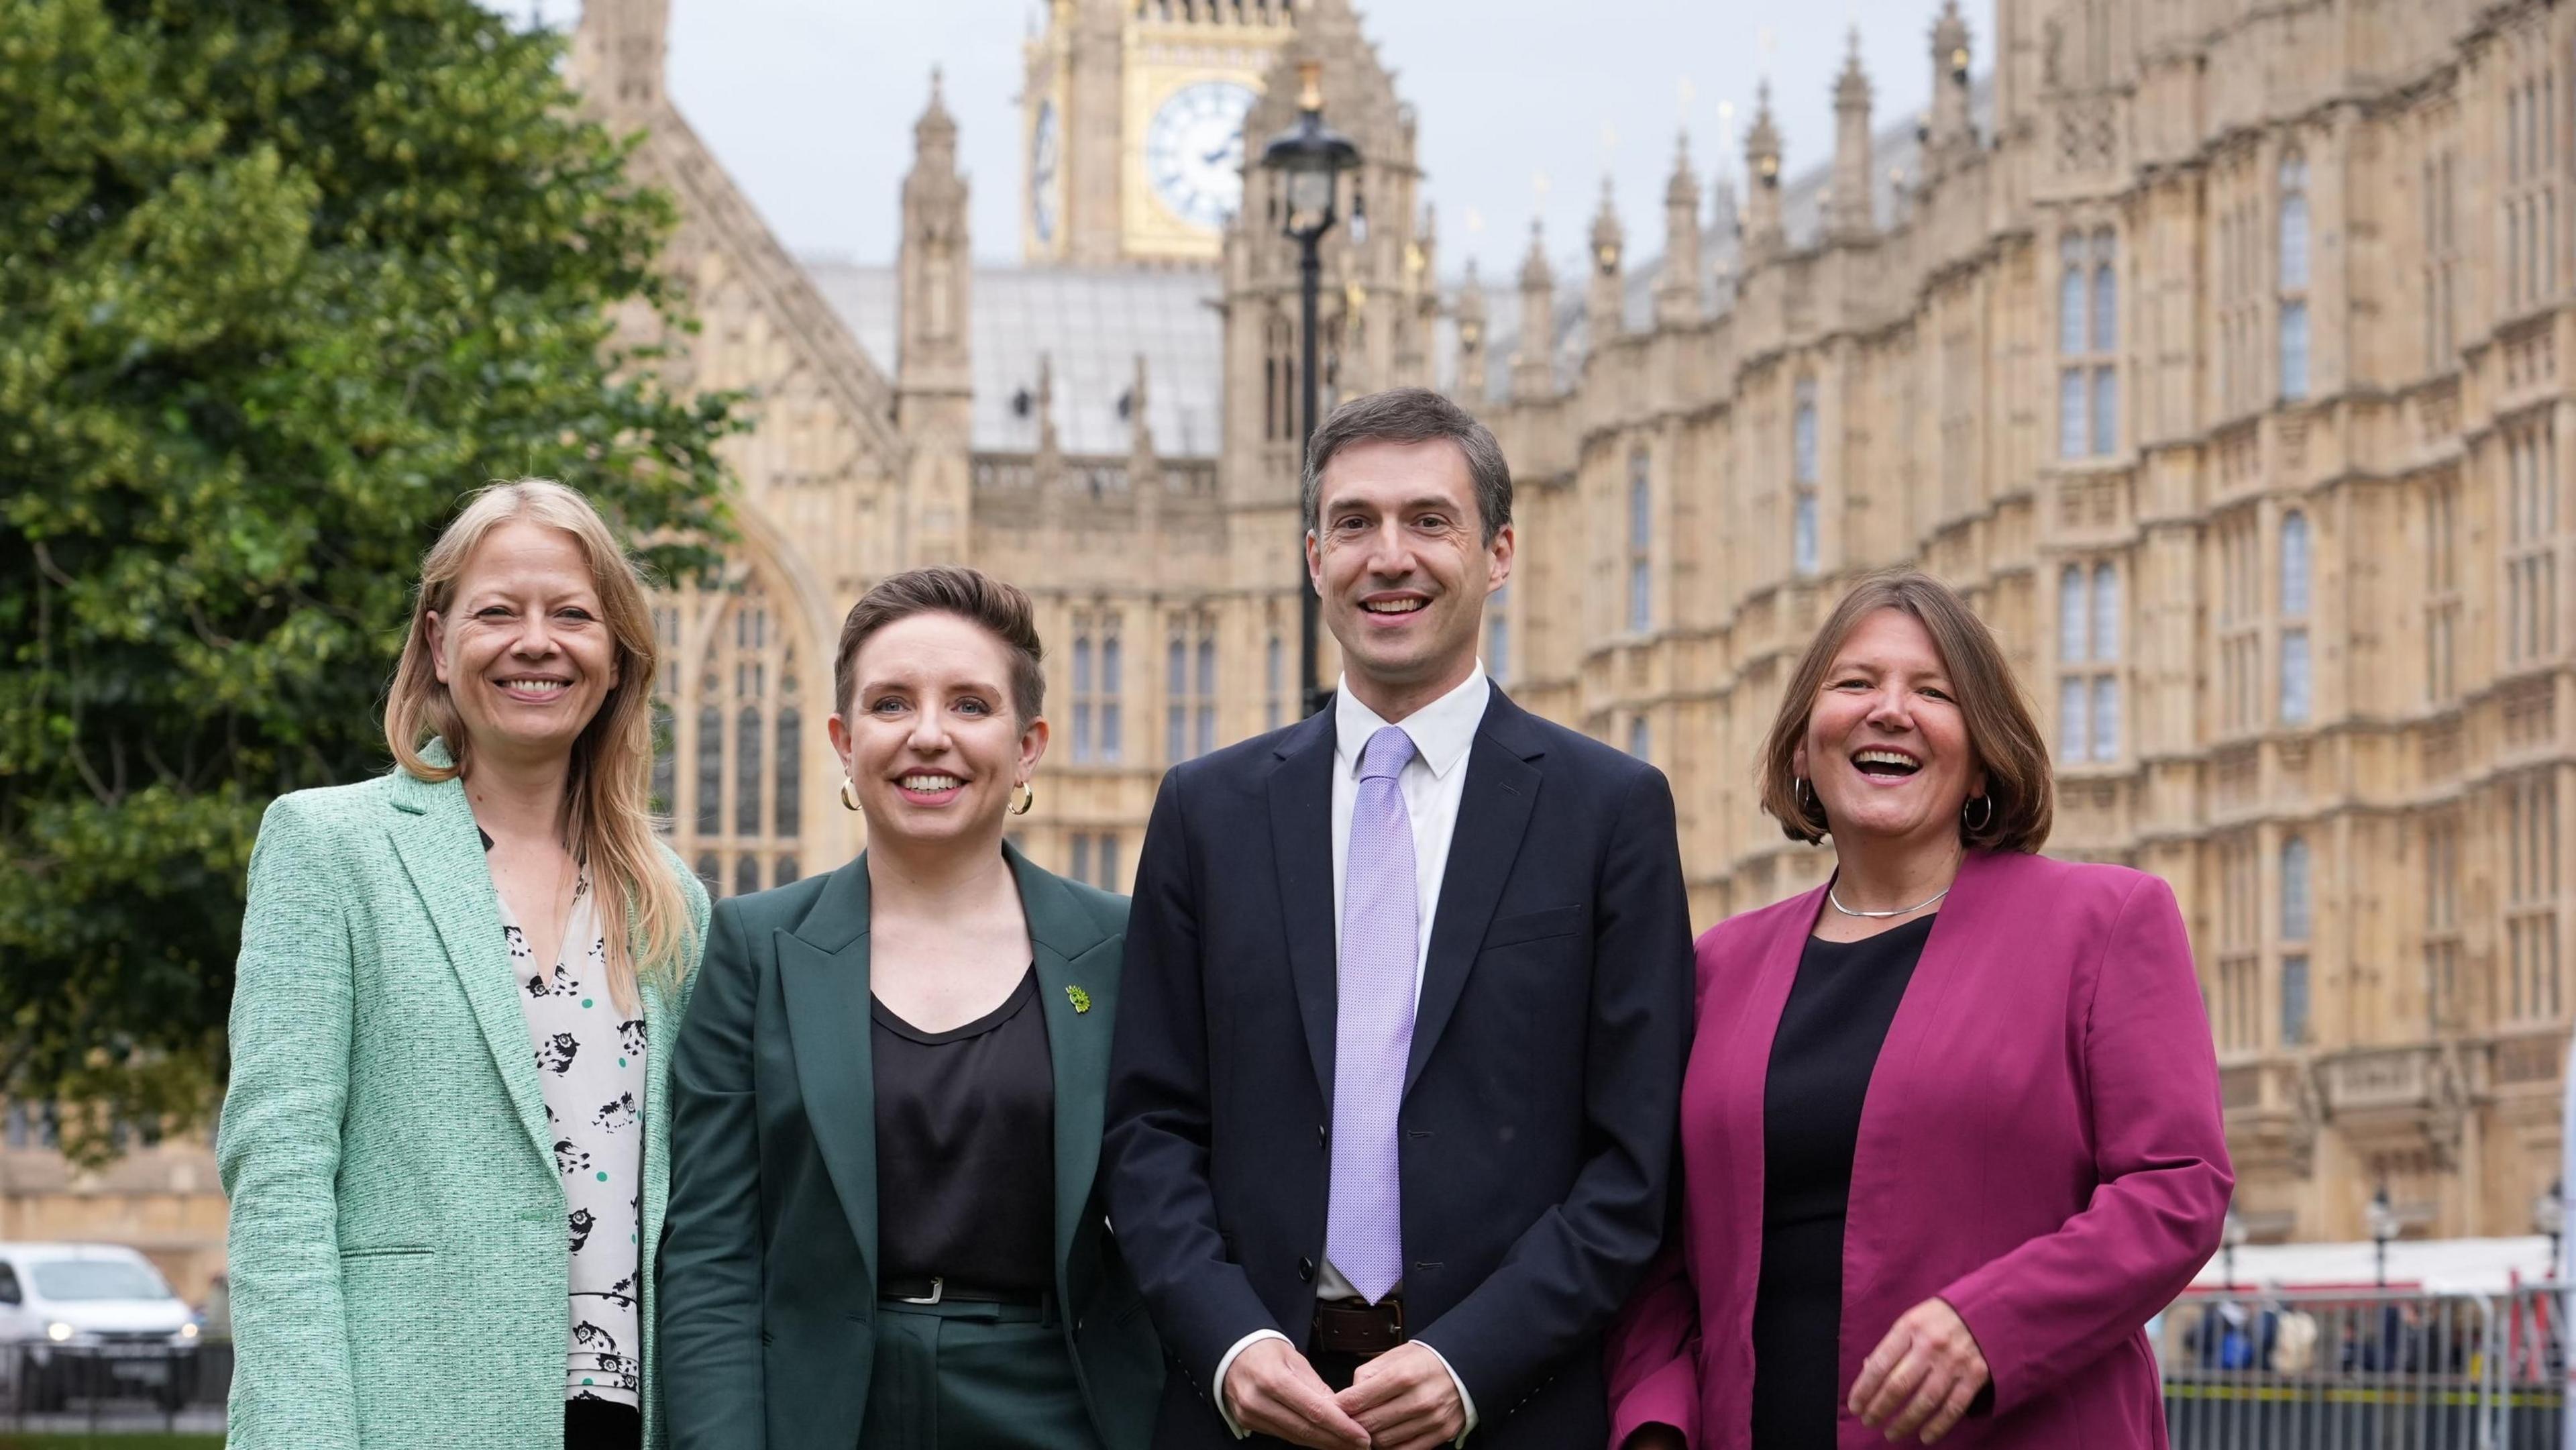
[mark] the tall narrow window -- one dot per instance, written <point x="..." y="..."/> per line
<point x="2441" y="258"/>
<point x="2071" y="349"/>
<point x="1641" y="538"/>
<point x="710" y="792"/>
<point x="1498" y="634"/>
<point x="1206" y="728"/>
<point x="1079" y="867"/>
<point x="2530" y="192"/>
<point x="2296" y="675"/>
<point x="2297" y="907"/>
<point x="2106" y="345"/>
<point x="747" y="773"/>
<point x="2531" y="539"/>
<point x="2240" y="639"/>
<point x="1804" y="547"/>
<point x="1083" y="701"/>
<point x="1189" y="687"/>
<point x="2533" y="991"/>
<point x="2074" y="640"/>
<point x="2106" y="662"/>
<point x="2441" y="922"/>
<point x="791" y="773"/>
<point x="2441" y="586"/>
<point x="2293" y="277"/>
<point x="1111" y="721"/>
<point x="1640" y="737"/>
<point x="2236" y="1002"/>
<point x="1176" y="696"/>
<point x="2088" y="340"/>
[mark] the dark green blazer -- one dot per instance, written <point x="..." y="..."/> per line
<point x="768" y="1267"/>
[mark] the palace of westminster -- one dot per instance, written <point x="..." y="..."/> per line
<point x="2210" y="346"/>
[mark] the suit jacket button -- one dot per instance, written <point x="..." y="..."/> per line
<point x="1306" y="1270"/>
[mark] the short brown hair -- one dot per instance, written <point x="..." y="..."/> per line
<point x="1001" y="609"/>
<point x="1413" y="415"/>
<point x="2001" y="731"/>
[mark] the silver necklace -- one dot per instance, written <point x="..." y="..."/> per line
<point x="1882" y="915"/>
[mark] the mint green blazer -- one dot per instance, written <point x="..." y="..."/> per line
<point x="397" y="1248"/>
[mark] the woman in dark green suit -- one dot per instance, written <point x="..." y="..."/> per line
<point x="886" y="1099"/>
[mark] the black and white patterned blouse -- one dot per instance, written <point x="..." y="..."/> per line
<point x="590" y="1061"/>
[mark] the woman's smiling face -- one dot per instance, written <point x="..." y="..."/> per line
<point x="930" y="737"/>
<point x="524" y="646"/>
<point x="1887" y="748"/>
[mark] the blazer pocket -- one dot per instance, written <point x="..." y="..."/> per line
<point x="1534" y="926"/>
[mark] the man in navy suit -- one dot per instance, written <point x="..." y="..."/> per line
<point x="1407" y="996"/>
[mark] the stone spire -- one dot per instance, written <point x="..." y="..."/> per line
<point x="1605" y="300"/>
<point x="1471" y="339"/>
<point x="1848" y="214"/>
<point x="1144" y="464"/>
<point x="1677" y="287"/>
<point x="933" y="268"/>
<point x="1534" y="362"/>
<point x="1763" y="237"/>
<point x="1950" y="131"/>
<point x="1050" y="450"/>
<point x="617" y="56"/>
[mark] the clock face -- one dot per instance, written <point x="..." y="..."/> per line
<point x="1194" y="151"/>
<point x="1046" y="147"/>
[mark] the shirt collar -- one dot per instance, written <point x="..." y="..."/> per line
<point x="1441" y="731"/>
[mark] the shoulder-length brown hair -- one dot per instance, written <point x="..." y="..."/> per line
<point x="2001" y="730"/>
<point x="608" y="801"/>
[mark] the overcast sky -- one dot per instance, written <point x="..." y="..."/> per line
<point x="810" y="103"/>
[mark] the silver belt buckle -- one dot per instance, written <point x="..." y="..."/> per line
<point x="938" y="1286"/>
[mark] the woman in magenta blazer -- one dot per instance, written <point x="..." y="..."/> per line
<point x="1950" y="1132"/>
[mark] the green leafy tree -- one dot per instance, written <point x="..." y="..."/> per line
<point x="280" y="280"/>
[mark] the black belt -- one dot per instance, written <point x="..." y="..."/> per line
<point x="1357" y="1327"/>
<point x="934" y="1289"/>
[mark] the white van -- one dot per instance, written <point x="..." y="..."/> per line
<point x="90" y="1320"/>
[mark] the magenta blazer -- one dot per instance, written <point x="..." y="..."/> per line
<point x="2040" y="1146"/>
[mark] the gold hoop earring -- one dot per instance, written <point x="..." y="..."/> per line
<point x="849" y="795"/>
<point x="1975" y="826"/>
<point x="1024" y="798"/>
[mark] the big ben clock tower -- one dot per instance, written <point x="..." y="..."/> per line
<point x="1132" y="119"/>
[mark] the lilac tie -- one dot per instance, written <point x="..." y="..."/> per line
<point x="1373" y="1028"/>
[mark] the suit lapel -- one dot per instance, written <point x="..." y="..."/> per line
<point x="1080" y="1008"/>
<point x="1301" y="849"/>
<point x="1972" y="913"/>
<point x="434" y="834"/>
<point x="1493" y="812"/>
<point x="823" y="976"/>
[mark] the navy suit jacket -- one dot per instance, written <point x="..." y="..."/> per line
<point x="1539" y="1101"/>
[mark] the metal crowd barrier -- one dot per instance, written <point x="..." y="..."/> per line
<point x="2366" y="1369"/>
<point x="90" y="1388"/>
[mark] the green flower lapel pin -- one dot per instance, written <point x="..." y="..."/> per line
<point x="1080" y="999"/>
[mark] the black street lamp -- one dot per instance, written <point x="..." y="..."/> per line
<point x="1310" y="158"/>
<point x="2382" y="1217"/>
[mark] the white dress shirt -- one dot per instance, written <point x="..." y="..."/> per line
<point x="1433" y="782"/>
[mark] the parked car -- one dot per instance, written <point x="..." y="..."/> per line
<point x="93" y="1320"/>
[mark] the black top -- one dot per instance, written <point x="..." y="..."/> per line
<point x="1830" y="1032"/>
<point x="966" y="1148"/>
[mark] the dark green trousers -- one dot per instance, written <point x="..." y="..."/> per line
<point x="960" y="1376"/>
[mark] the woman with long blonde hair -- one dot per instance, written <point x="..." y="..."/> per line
<point x="444" y="1139"/>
